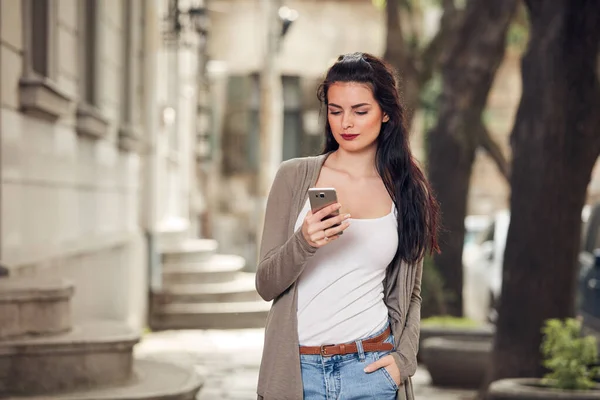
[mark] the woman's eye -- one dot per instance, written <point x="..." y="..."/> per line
<point x="335" y="112"/>
<point x="361" y="112"/>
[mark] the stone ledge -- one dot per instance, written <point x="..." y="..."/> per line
<point x="457" y="361"/>
<point x="32" y="307"/>
<point x="19" y="289"/>
<point x="130" y="139"/>
<point x="93" y="354"/>
<point x="90" y="121"/>
<point x="238" y="315"/>
<point x="151" y="380"/>
<point x="41" y="98"/>
<point x="532" y="389"/>
<point x="26" y="264"/>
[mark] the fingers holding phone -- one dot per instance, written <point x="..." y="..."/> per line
<point x="323" y="223"/>
<point x="319" y="232"/>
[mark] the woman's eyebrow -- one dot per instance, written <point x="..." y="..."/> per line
<point x="354" y="106"/>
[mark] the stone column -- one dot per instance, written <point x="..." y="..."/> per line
<point x="271" y="110"/>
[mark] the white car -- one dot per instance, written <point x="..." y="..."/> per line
<point x="482" y="274"/>
<point x="483" y="259"/>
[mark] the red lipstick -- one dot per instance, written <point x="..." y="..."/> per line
<point x="348" y="136"/>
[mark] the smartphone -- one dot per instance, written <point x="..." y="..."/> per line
<point x="323" y="197"/>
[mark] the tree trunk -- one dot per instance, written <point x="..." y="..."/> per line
<point x="468" y="70"/>
<point x="555" y="141"/>
<point x="397" y="54"/>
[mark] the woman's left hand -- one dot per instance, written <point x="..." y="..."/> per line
<point x="389" y="364"/>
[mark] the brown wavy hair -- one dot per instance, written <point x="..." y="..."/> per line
<point x="418" y="210"/>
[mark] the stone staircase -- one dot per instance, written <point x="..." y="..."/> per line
<point x="205" y="290"/>
<point x="44" y="356"/>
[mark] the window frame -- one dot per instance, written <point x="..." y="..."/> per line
<point x="39" y="95"/>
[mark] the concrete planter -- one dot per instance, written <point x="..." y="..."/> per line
<point x="430" y="331"/>
<point x="532" y="389"/>
<point x="457" y="361"/>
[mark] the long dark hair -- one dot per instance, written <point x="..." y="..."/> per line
<point x="418" y="210"/>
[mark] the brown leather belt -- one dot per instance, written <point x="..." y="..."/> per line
<point x="369" y="345"/>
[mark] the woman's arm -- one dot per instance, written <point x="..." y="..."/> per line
<point x="405" y="355"/>
<point x="282" y="258"/>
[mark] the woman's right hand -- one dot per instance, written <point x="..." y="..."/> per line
<point x="318" y="232"/>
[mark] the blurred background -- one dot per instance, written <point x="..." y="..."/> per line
<point x="139" y="139"/>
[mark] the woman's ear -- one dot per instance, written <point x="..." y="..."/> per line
<point x="385" y="118"/>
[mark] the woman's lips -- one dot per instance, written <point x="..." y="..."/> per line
<point x="348" y="136"/>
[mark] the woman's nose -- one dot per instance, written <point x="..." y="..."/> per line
<point x="347" y="122"/>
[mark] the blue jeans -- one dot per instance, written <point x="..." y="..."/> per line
<point x="342" y="377"/>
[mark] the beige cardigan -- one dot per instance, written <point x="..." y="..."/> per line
<point x="283" y="255"/>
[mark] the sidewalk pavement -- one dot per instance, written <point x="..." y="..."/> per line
<point x="229" y="360"/>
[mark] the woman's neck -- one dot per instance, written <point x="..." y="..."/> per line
<point x="357" y="165"/>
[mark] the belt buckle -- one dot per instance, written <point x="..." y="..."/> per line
<point x="324" y="350"/>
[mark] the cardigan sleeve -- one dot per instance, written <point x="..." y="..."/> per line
<point x="282" y="258"/>
<point x="406" y="354"/>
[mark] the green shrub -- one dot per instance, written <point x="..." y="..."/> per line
<point x="568" y="355"/>
<point x="446" y="320"/>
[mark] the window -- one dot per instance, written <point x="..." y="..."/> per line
<point x="90" y="121"/>
<point x="40" y="40"/>
<point x="39" y="18"/>
<point x="292" y="117"/>
<point x="39" y="96"/>
<point x="128" y="62"/>
<point x="129" y="135"/>
<point x="87" y="43"/>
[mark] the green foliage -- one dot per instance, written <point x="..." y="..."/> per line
<point x="568" y="355"/>
<point x="446" y="320"/>
<point x="429" y="101"/>
<point x="518" y="31"/>
<point x="379" y="4"/>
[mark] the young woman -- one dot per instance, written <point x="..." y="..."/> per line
<point x="346" y="308"/>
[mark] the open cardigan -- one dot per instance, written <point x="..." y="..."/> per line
<point x="283" y="256"/>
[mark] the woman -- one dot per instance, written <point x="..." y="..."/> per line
<point x="346" y="308"/>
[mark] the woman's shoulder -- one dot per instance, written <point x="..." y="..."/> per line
<point x="300" y="165"/>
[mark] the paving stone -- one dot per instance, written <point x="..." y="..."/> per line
<point x="230" y="359"/>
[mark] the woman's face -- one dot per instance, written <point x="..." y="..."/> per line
<point x="354" y="116"/>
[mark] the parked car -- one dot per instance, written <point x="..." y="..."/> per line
<point x="588" y="293"/>
<point x="482" y="268"/>
<point x="483" y="260"/>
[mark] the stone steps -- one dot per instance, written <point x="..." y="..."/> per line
<point x="189" y="251"/>
<point x="237" y="315"/>
<point x="151" y="380"/>
<point x="172" y="232"/>
<point x="43" y="357"/>
<point x="91" y="354"/>
<point x="240" y="288"/>
<point x="215" y="269"/>
<point x="204" y="290"/>
<point x="34" y="307"/>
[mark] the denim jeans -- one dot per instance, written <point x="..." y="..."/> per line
<point x="342" y="377"/>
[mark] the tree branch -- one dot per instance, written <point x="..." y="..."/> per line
<point x="431" y="56"/>
<point x="395" y="46"/>
<point x="493" y="151"/>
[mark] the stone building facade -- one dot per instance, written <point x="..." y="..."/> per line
<point x="73" y="120"/>
<point x="97" y="153"/>
<point x="98" y="128"/>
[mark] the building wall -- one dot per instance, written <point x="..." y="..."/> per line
<point x="70" y="203"/>
<point x="324" y="30"/>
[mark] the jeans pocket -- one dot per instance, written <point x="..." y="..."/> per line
<point x="389" y="378"/>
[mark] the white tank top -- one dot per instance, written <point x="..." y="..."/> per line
<point x="340" y="291"/>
